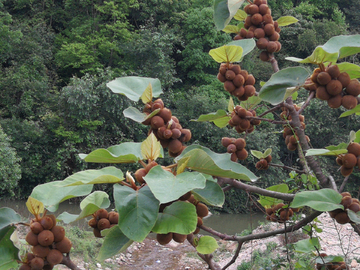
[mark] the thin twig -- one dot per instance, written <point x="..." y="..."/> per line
<point x="236" y="254"/>
<point x="286" y="167"/>
<point x="343" y="184"/>
<point x="307" y="102"/>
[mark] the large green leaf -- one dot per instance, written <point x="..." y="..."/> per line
<point x="344" y="45"/>
<point x="266" y="201"/>
<point x="108" y="175"/>
<point x="114" y="242"/>
<point x="8" y="216"/>
<point x="351" y="69"/>
<point x="321" y="200"/>
<point x="307" y="245"/>
<point x="179" y="217"/>
<point x="137" y="116"/>
<point x="87" y="211"/>
<point x="51" y="195"/>
<point x="220" y="118"/>
<point x="133" y="87"/>
<point x="137" y="211"/>
<point x="227" y="54"/>
<point x="204" y="160"/>
<point x="206" y="245"/>
<point x="212" y="194"/>
<point x="356" y="111"/>
<point x="331" y="150"/>
<point x="9" y="254"/>
<point x="247" y="44"/>
<point x="128" y="152"/>
<point x="224" y="11"/>
<point x="354" y="217"/>
<point x="166" y="187"/>
<point x="318" y="56"/>
<point x="274" y="90"/>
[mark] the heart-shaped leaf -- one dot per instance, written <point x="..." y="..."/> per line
<point x="274" y="90"/>
<point x="206" y="161"/>
<point x="51" y="195"/>
<point x="307" y="245"/>
<point x="220" y="118"/>
<point x="137" y="116"/>
<point x="212" y="194"/>
<point x="99" y="198"/>
<point x="246" y="44"/>
<point x="147" y="96"/>
<point x="351" y="69"/>
<point x="137" y="211"/>
<point x="8" y="216"/>
<point x="231" y="29"/>
<point x="166" y="187"/>
<point x="356" y="111"/>
<point x="151" y="148"/>
<point x="266" y="201"/>
<point x="133" y="87"/>
<point x="34" y="206"/>
<point x="240" y="15"/>
<point x="224" y="11"/>
<point x="321" y="200"/>
<point x="227" y="54"/>
<point x="319" y="56"/>
<point x="114" y="242"/>
<point x="345" y="45"/>
<point x="179" y="217"/>
<point x="206" y="245"/>
<point x="106" y="175"/>
<point x="286" y="20"/>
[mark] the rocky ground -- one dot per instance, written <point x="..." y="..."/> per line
<point x="335" y="240"/>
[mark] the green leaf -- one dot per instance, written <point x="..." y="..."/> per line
<point x="329" y="258"/>
<point x="7" y="217"/>
<point x="137" y="116"/>
<point x="231" y="29"/>
<point x="151" y="148"/>
<point x="147" y="95"/>
<point x="114" y="242"/>
<point x="206" y="245"/>
<point x="240" y="15"/>
<point x="99" y="198"/>
<point x="220" y="118"/>
<point x="357" y="137"/>
<point x="8" y="251"/>
<point x="307" y="245"/>
<point x="133" y="87"/>
<point x="246" y="44"/>
<point x="250" y="102"/>
<point x="354" y="217"/>
<point x="206" y="161"/>
<point x="344" y="45"/>
<point x="274" y="89"/>
<point x="224" y="11"/>
<point x="319" y="56"/>
<point x="128" y="152"/>
<point x="137" y="211"/>
<point x="325" y="152"/>
<point x="51" y="195"/>
<point x="267" y="152"/>
<point x="227" y="54"/>
<point x="87" y="211"/>
<point x="351" y="69"/>
<point x="286" y="20"/>
<point x="356" y="110"/>
<point x="108" y="175"/>
<point x="231" y="105"/>
<point x="212" y="194"/>
<point x="179" y="217"/>
<point x="321" y="200"/>
<point x="266" y="201"/>
<point x="34" y="206"/>
<point x="340" y="146"/>
<point x="166" y="187"/>
<point x="257" y="154"/>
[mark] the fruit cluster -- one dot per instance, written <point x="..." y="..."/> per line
<point x="289" y="133"/>
<point x="49" y="244"/>
<point x="335" y="87"/>
<point x="260" y="25"/>
<point x="263" y="163"/>
<point x="237" y="82"/>
<point x="166" y="128"/>
<point x="201" y="211"/>
<point x="349" y="160"/>
<point x="241" y="122"/>
<point x="236" y="147"/>
<point x="330" y="265"/>
<point x="340" y="215"/>
<point x="102" y="219"/>
<point x="141" y="173"/>
<point x="279" y="214"/>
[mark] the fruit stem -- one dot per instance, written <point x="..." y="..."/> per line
<point x="22" y="223"/>
<point x="322" y="66"/>
<point x="142" y="163"/>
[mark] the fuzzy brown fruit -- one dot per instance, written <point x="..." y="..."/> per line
<point x="113" y="217"/>
<point x="101" y="213"/>
<point x="41" y="251"/>
<point x="47" y="222"/>
<point x="342" y="218"/>
<point x="349" y="160"/>
<point x="354" y="148"/>
<point x="58" y="232"/>
<point x="46" y="238"/>
<point x="64" y="246"/>
<point x="202" y="210"/>
<point x="54" y="257"/>
<point x="36" y="227"/>
<point x="349" y="102"/>
<point x="179" y="238"/>
<point x="103" y="224"/>
<point x="32" y="238"/>
<point x="37" y="263"/>
<point x="323" y="78"/>
<point x="164" y="239"/>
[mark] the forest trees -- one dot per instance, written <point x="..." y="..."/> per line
<point x="171" y="200"/>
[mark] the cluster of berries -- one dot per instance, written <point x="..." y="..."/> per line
<point x="166" y="128"/>
<point x="49" y="244"/>
<point x="289" y="133"/>
<point x="240" y="121"/>
<point x="279" y="214"/>
<point x="349" y="160"/>
<point x="236" y="147"/>
<point x="260" y="25"/>
<point x="340" y="215"/>
<point x="263" y="163"/>
<point x="334" y="86"/>
<point x="201" y="211"/>
<point x="237" y="82"/>
<point x="102" y="219"/>
<point x="330" y="265"/>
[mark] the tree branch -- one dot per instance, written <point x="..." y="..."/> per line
<point x="68" y="262"/>
<point x="286" y="167"/>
